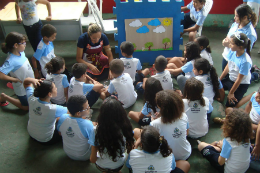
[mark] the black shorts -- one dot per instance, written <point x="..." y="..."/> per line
<point x="109" y="170"/>
<point x="144" y="121"/>
<point x="187" y="22"/>
<point x="211" y="154"/>
<point x="177" y="170"/>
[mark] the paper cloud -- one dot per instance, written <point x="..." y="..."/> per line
<point x="155" y="22"/>
<point x="143" y="29"/>
<point x="159" y="29"/>
<point x="136" y="23"/>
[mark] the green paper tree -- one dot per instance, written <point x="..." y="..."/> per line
<point x="166" y="41"/>
<point x="134" y="46"/>
<point x="148" y="45"/>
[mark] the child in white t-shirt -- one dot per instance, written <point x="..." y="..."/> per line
<point x="82" y="84"/>
<point x="173" y="123"/>
<point x="197" y="108"/>
<point x="114" y="135"/>
<point x="232" y="154"/>
<point x="76" y="131"/>
<point x="204" y="48"/>
<point x="122" y="84"/>
<point x="155" y="156"/>
<point x="206" y="73"/>
<point x="132" y="66"/>
<point x="55" y="67"/>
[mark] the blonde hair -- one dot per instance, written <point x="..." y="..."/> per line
<point x="94" y="28"/>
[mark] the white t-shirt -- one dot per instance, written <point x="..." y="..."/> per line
<point x="255" y="111"/>
<point x="175" y="133"/>
<point x="131" y="65"/>
<point x="44" y="54"/>
<point x="204" y="54"/>
<point x="124" y="88"/>
<point x="76" y="135"/>
<point x="165" y="79"/>
<point x="42" y="117"/>
<point x="142" y="161"/>
<point x="237" y="156"/>
<point x="241" y="64"/>
<point x="197" y="117"/>
<point x="18" y="67"/>
<point x="61" y="82"/>
<point x="29" y="12"/>
<point x="79" y="88"/>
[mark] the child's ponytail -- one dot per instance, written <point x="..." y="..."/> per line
<point x="245" y="10"/>
<point x="54" y="65"/>
<point x="253" y="19"/>
<point x="165" y="150"/>
<point x="204" y="42"/>
<point x="10" y="40"/>
<point x="240" y="39"/>
<point x="215" y="81"/>
<point x="5" y="49"/>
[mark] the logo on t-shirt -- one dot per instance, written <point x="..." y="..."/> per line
<point x="195" y="108"/>
<point x="127" y="65"/>
<point x="176" y="133"/>
<point x="245" y="145"/>
<point x="208" y="81"/>
<point x="150" y="169"/>
<point x="165" y="79"/>
<point x="37" y="111"/>
<point x="123" y="80"/>
<point x="70" y="132"/>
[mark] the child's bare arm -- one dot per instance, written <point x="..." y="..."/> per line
<point x="224" y="73"/>
<point x="66" y="93"/>
<point x="256" y="151"/>
<point x="48" y="5"/>
<point x="35" y="69"/>
<point x="93" y="156"/>
<point x="97" y="86"/>
<point x="17" y="10"/>
<point x="9" y="78"/>
<point x="175" y="72"/>
<point x="184" y="8"/>
<point x="231" y="97"/>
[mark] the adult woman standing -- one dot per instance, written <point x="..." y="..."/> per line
<point x="245" y="20"/>
<point x="89" y="51"/>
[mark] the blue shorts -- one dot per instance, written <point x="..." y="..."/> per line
<point x="23" y="100"/>
<point x="211" y="154"/>
<point x="187" y="22"/>
<point x="139" y="88"/>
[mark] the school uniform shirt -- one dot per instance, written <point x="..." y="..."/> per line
<point x="79" y="88"/>
<point x="42" y="117"/>
<point x="206" y="55"/>
<point x="257" y="1"/>
<point x="44" y="54"/>
<point x="197" y="117"/>
<point x="197" y="16"/>
<point x="131" y="65"/>
<point x="29" y="12"/>
<point x="165" y="79"/>
<point x="61" y="82"/>
<point x="123" y="86"/>
<point x="241" y="64"/>
<point x="18" y="67"/>
<point x="208" y="87"/>
<point x="187" y="69"/>
<point x="175" y="133"/>
<point x="255" y="111"/>
<point x="142" y="161"/>
<point x="237" y="156"/>
<point x="249" y="30"/>
<point x="147" y="110"/>
<point x="76" y="134"/>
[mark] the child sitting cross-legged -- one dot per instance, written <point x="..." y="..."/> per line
<point x="76" y="131"/>
<point x="122" y="84"/>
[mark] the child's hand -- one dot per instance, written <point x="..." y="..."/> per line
<point x="110" y="76"/>
<point x="93" y="69"/>
<point x="231" y="98"/>
<point x="48" y="18"/>
<point x="225" y="42"/>
<point x="137" y="143"/>
<point x="220" y="143"/>
<point x="19" y="20"/>
<point x="37" y="82"/>
<point x="256" y="153"/>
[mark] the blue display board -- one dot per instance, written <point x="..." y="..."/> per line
<point x="150" y="9"/>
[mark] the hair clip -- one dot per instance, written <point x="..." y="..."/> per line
<point x="237" y="35"/>
<point x="160" y="140"/>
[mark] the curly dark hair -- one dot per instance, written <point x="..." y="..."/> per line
<point x="152" y="141"/>
<point x="204" y="65"/>
<point x="192" y="50"/>
<point x="193" y="90"/>
<point x="237" y="126"/>
<point x="55" y="64"/>
<point x="170" y="104"/>
<point x="152" y="86"/>
<point x="113" y="126"/>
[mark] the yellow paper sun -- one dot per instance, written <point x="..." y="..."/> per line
<point x="167" y="22"/>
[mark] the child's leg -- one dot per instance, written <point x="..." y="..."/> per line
<point x="137" y="133"/>
<point x="181" y="80"/>
<point x="202" y="145"/>
<point x="177" y="61"/>
<point x="183" y="165"/>
<point x="136" y="116"/>
<point x="192" y="35"/>
<point x="15" y="102"/>
<point x="146" y="71"/>
<point x="244" y="100"/>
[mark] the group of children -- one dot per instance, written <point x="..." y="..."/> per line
<point x="59" y="106"/>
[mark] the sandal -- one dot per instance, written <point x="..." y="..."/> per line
<point x="152" y="71"/>
<point x="218" y="120"/>
<point x="10" y="85"/>
<point x="4" y="103"/>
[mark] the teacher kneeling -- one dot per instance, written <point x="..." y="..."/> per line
<point x="89" y="51"/>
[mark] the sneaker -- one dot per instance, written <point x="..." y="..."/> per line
<point x="4" y="103"/>
<point x="218" y="120"/>
<point x="257" y="69"/>
<point x="198" y="141"/>
<point x="10" y="85"/>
